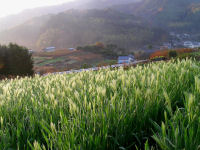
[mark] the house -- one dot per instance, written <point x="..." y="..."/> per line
<point x="177" y="44"/>
<point x="31" y="51"/>
<point x="49" y="49"/>
<point x="126" y="59"/>
<point x="71" y="49"/>
<point x="172" y="34"/>
<point x="167" y="46"/>
<point x="188" y="44"/>
<point x="185" y="35"/>
<point x="196" y="44"/>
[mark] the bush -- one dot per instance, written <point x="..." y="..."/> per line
<point x="172" y="54"/>
<point x="86" y="66"/>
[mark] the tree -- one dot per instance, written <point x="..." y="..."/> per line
<point x="150" y="47"/>
<point x="99" y="44"/>
<point x="172" y="54"/>
<point x="86" y="66"/>
<point x="15" y="60"/>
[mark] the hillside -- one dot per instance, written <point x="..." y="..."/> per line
<point x="176" y="15"/>
<point x="17" y="19"/>
<point x="148" y="107"/>
<point x="135" y="27"/>
<point x="25" y="34"/>
<point x="74" y="28"/>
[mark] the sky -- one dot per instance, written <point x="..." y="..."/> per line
<point x="9" y="7"/>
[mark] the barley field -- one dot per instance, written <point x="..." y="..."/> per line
<point x="156" y="106"/>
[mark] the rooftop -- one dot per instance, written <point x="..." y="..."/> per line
<point x="123" y="57"/>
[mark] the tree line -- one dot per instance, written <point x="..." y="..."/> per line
<point x="15" y="60"/>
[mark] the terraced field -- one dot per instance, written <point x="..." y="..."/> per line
<point x="63" y="60"/>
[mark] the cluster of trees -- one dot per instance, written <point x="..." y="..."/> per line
<point x="15" y="60"/>
<point x="109" y="50"/>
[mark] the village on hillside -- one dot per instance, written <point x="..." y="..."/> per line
<point x="183" y="40"/>
<point x="51" y="59"/>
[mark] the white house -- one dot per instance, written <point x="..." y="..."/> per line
<point x="126" y="59"/>
<point x="196" y="44"/>
<point x="71" y="49"/>
<point x="31" y="51"/>
<point x="188" y="44"/>
<point x="167" y="45"/>
<point x="49" y="49"/>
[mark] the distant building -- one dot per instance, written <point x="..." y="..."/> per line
<point x="126" y="59"/>
<point x="182" y="36"/>
<point x="166" y="46"/>
<point x="185" y="35"/>
<point x="172" y="34"/>
<point x="31" y="51"/>
<point x="71" y="49"/>
<point x="188" y="44"/>
<point x="177" y="44"/>
<point x="49" y="49"/>
<point x="196" y="44"/>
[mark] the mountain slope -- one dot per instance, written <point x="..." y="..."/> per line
<point x="180" y="15"/>
<point x="14" y="20"/>
<point x="80" y="27"/>
<point x="25" y="34"/>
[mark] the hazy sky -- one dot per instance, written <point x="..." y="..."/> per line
<point x="8" y="7"/>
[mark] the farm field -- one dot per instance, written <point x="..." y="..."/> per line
<point x="63" y="60"/>
<point x="155" y="106"/>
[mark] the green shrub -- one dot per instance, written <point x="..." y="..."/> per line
<point x="172" y="54"/>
